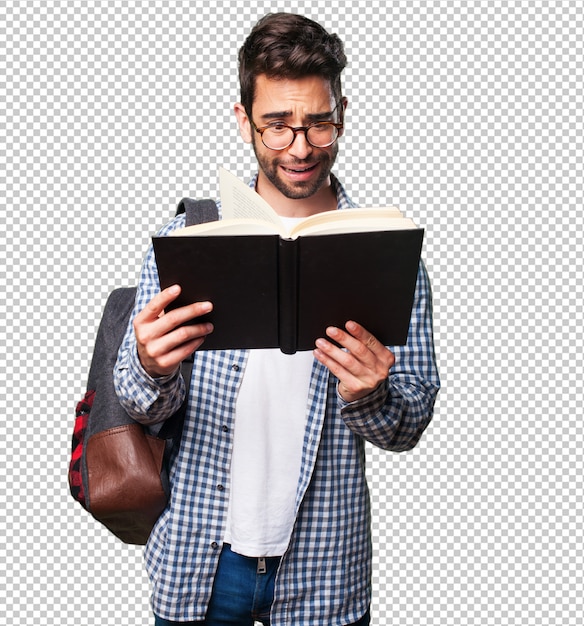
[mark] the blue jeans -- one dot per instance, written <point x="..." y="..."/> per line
<point x="241" y="593"/>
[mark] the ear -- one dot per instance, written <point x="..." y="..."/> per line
<point x="243" y="122"/>
<point x="344" y="105"/>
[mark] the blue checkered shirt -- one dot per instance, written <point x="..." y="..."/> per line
<point x="325" y="575"/>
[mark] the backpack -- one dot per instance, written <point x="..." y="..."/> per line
<point x="118" y="469"/>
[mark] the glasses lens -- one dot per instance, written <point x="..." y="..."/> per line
<point x="319" y="135"/>
<point x="322" y="135"/>
<point x="278" y="137"/>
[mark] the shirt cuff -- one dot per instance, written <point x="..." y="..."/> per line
<point x="370" y="403"/>
<point x="152" y="388"/>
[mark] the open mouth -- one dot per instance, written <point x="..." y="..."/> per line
<point x="300" y="170"/>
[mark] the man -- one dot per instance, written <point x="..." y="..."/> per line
<point x="269" y="511"/>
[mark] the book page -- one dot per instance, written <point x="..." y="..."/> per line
<point x="227" y="227"/>
<point x="240" y="201"/>
<point x="353" y="221"/>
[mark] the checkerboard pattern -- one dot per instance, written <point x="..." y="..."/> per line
<point x="465" y="113"/>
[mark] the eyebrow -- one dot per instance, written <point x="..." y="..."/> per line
<point x="310" y="117"/>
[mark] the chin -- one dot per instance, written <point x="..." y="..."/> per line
<point x="298" y="190"/>
<point x="295" y="190"/>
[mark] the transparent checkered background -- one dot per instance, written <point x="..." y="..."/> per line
<point x="466" y="114"/>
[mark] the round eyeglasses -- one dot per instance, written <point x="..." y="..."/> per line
<point x="279" y="136"/>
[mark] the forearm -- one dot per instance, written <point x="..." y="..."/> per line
<point x="396" y="414"/>
<point x="147" y="400"/>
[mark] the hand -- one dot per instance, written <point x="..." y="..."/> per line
<point x="362" y="367"/>
<point x="163" y="343"/>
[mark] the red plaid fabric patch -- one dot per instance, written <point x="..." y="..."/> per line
<point x="81" y="416"/>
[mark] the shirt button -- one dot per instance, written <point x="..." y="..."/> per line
<point x="225" y="429"/>
<point x="235" y="368"/>
<point x="220" y="487"/>
<point x="214" y="545"/>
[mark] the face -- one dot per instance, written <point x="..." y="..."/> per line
<point x="299" y="171"/>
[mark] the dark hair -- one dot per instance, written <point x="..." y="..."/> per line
<point x="286" y="45"/>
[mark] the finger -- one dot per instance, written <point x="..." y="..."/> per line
<point x="157" y="323"/>
<point x="180" y="316"/>
<point x="336" y="360"/>
<point x="166" y="343"/>
<point x="364" y="336"/>
<point x="361" y="358"/>
<point x="162" y="355"/>
<point x="362" y="346"/>
<point x="340" y="362"/>
<point x="351" y="387"/>
<point x="159" y="302"/>
<point x="168" y="360"/>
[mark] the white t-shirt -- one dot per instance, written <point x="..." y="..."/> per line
<point x="270" y="420"/>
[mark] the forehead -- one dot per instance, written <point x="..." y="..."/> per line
<point x="310" y="94"/>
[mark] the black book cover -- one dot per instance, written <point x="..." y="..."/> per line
<point x="270" y="292"/>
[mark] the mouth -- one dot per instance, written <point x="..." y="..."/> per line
<point x="300" y="172"/>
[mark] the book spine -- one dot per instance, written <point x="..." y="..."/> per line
<point x="288" y="295"/>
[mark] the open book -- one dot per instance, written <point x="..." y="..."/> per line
<point x="246" y="213"/>
<point x="274" y="288"/>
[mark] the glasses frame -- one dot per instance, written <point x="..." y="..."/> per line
<point x="300" y="129"/>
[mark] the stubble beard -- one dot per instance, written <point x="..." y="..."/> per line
<point x="299" y="190"/>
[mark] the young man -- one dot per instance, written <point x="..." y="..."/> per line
<point x="269" y="511"/>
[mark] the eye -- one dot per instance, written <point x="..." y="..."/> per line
<point x="321" y="127"/>
<point x="277" y="128"/>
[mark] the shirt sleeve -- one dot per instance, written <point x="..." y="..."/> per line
<point x="396" y="414"/>
<point x="147" y="400"/>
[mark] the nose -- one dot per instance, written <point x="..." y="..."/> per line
<point x="300" y="148"/>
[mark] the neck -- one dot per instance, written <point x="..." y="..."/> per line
<point x="324" y="199"/>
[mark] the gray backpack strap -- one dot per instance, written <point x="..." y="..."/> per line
<point x="106" y="411"/>
<point x="198" y="211"/>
